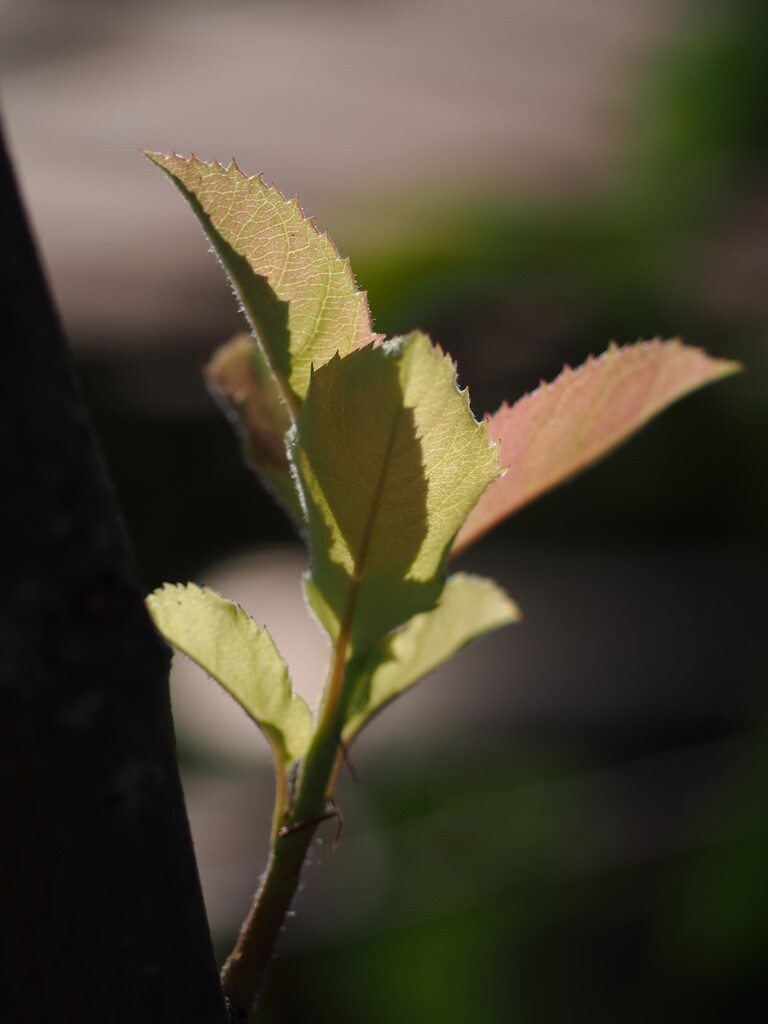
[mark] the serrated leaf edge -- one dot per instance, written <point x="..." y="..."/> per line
<point x="728" y="368"/>
<point x="360" y="720"/>
<point x="280" y="752"/>
<point x="311" y="221"/>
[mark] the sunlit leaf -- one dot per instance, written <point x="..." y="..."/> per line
<point x="550" y="435"/>
<point x="240" y="655"/>
<point x="391" y="461"/>
<point x="469" y="607"/>
<point x="239" y="376"/>
<point x="298" y="293"/>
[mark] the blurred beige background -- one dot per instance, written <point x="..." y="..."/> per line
<point x="356" y="107"/>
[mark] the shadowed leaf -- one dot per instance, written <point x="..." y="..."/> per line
<point x="240" y="378"/>
<point x="241" y="656"/>
<point x="561" y="428"/>
<point x="391" y="460"/>
<point x="469" y="607"/>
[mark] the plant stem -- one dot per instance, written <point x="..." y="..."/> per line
<point x="245" y="971"/>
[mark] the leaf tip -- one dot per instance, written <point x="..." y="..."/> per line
<point x="160" y="159"/>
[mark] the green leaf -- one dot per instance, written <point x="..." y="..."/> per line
<point x="391" y="461"/>
<point x="239" y="376"/>
<point x="550" y="435"/>
<point x="241" y="656"/>
<point x="469" y="607"/>
<point x="298" y="293"/>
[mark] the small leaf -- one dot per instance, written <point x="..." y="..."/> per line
<point x="391" y="461"/>
<point x="241" y="656"/>
<point x="558" y="430"/>
<point x="239" y="376"/>
<point x="469" y="607"/>
<point x="298" y="293"/>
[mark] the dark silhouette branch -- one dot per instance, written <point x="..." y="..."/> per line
<point x="104" y="919"/>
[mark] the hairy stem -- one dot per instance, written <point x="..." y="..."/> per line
<point x="246" y="969"/>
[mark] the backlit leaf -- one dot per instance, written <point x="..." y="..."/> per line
<point x="561" y="428"/>
<point x="240" y="655"/>
<point x="391" y="460"/>
<point x="298" y="293"/>
<point x="469" y="607"/>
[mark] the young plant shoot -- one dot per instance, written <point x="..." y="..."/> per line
<point x="375" y="454"/>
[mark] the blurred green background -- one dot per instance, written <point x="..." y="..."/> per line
<point x="571" y="823"/>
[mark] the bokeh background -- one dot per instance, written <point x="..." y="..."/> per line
<point x="570" y="822"/>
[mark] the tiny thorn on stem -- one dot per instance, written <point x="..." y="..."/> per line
<point x="336" y="811"/>
<point x="298" y="826"/>
<point x="348" y="762"/>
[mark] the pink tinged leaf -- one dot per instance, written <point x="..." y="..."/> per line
<point x="561" y="428"/>
<point x="238" y="376"/>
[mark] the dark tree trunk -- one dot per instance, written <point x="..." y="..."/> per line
<point x="103" y="915"/>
